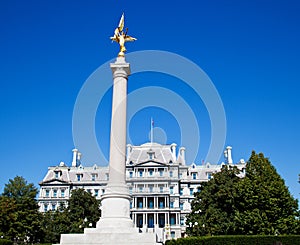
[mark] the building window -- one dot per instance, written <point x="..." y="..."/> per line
<point x="172" y="220"/>
<point x="181" y="206"/>
<point x="161" y="204"/>
<point x="140" y="203"/>
<point x="209" y="176"/>
<point x="56" y="174"/>
<point x="171" y="189"/>
<point x="107" y="176"/>
<point x="47" y="193"/>
<point x="79" y="176"/>
<point x="53" y="207"/>
<point x="151" y="204"/>
<point x="141" y="173"/>
<point x="172" y="234"/>
<point x="141" y="189"/>
<point x="96" y="193"/>
<point x="181" y="191"/>
<point x="191" y="191"/>
<point x="150" y="172"/>
<point x="180" y="176"/>
<point x="54" y="193"/>
<point x="161" y="172"/>
<point x="45" y="207"/>
<point x="130" y="205"/>
<point x="171" y="174"/>
<point x="181" y="221"/>
<point x="161" y="220"/>
<point x="150" y="189"/>
<point x="89" y="191"/>
<point x="62" y="193"/>
<point x="130" y="190"/>
<point x="130" y="174"/>
<point x="161" y="189"/>
<point x="171" y="204"/>
<point x="93" y="177"/>
<point x="150" y="221"/>
<point x="151" y="155"/>
<point x="194" y="175"/>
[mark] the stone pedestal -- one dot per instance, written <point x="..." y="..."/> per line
<point x="115" y="226"/>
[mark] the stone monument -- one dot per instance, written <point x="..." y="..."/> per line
<point x="115" y="226"/>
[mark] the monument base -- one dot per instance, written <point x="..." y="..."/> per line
<point x="128" y="236"/>
<point x="115" y="226"/>
<point x="110" y="231"/>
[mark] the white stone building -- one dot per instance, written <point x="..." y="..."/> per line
<point x="159" y="181"/>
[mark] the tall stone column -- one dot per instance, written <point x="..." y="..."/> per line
<point x="115" y="225"/>
<point x="115" y="203"/>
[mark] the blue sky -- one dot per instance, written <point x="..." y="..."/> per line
<point x="249" y="49"/>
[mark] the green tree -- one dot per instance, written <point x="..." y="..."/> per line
<point x="213" y="208"/>
<point x="54" y="224"/>
<point x="258" y="204"/>
<point x="7" y="216"/>
<point x="265" y="205"/>
<point x="23" y="223"/>
<point x="83" y="210"/>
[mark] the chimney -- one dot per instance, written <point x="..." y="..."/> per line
<point x="182" y="155"/>
<point x="228" y="155"/>
<point x="74" y="162"/>
<point x="79" y="157"/>
<point x="128" y="152"/>
<point x="173" y="150"/>
<point x="129" y="149"/>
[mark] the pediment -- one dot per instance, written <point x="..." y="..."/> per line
<point x="150" y="163"/>
<point x="53" y="182"/>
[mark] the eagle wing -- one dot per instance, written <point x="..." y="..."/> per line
<point x="129" y="39"/>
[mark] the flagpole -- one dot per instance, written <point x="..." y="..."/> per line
<point x="151" y="131"/>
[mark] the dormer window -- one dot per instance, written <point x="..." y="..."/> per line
<point x="151" y="154"/>
<point x="194" y="175"/>
<point x="57" y="174"/>
<point x="79" y="177"/>
<point x="94" y="176"/>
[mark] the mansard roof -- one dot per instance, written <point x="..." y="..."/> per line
<point x="150" y="152"/>
<point x="69" y="174"/>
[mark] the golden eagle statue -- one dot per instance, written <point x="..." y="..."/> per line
<point x="121" y="37"/>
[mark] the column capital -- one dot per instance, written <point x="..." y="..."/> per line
<point x="120" y="68"/>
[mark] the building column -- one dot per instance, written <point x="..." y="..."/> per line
<point x="167" y="218"/>
<point x="134" y="219"/>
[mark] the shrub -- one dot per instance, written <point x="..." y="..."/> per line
<point x="238" y="240"/>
